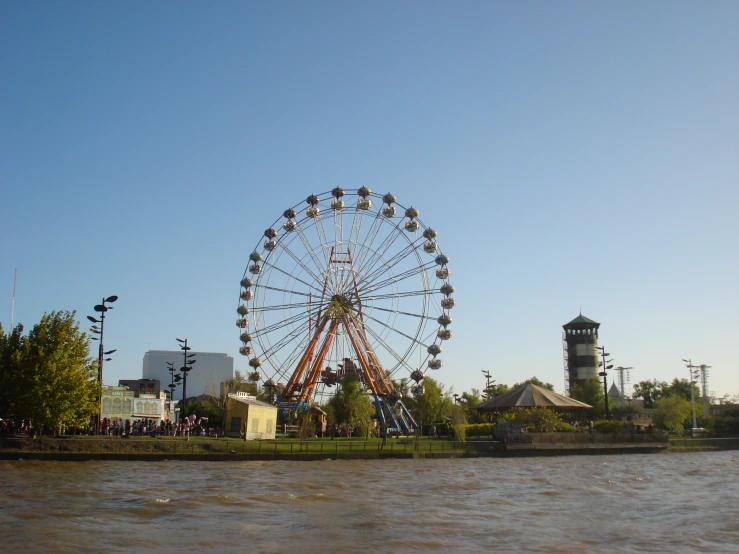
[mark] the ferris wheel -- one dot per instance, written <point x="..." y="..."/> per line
<point x="346" y="282"/>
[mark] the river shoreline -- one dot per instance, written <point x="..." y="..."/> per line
<point x="200" y="449"/>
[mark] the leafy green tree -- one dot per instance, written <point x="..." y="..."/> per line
<point x="433" y="406"/>
<point x="535" y="381"/>
<point x="672" y="412"/>
<point x="590" y="392"/>
<point x="681" y="388"/>
<point x="536" y="419"/>
<point x="626" y="412"/>
<point x="220" y="398"/>
<point x="206" y="407"/>
<point x="55" y="378"/>
<point x="496" y="390"/>
<point x="469" y="399"/>
<point x="650" y="391"/>
<point x="401" y="385"/>
<point x="459" y="422"/>
<point x="351" y="405"/>
<point x="10" y="348"/>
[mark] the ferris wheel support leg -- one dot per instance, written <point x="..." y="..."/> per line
<point x="381" y="417"/>
<point x="310" y="382"/>
<point x="386" y="408"/>
<point x="406" y="419"/>
<point x="297" y="375"/>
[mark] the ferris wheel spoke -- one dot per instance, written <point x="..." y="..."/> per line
<point x="392" y="262"/>
<point x="389" y="349"/>
<point x="382" y="248"/>
<point x="291" y="276"/>
<point x="322" y="238"/>
<point x="391" y="328"/>
<point x="299" y="262"/>
<point x="276" y="307"/>
<point x="393" y="295"/>
<point x="284" y="341"/>
<point x="280" y="324"/>
<point x="372" y="287"/>
<point x="369" y="240"/>
<point x="258" y="286"/>
<point x="311" y="251"/>
<point x="404" y="313"/>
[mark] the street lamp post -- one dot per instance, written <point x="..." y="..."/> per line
<point x="101" y="309"/>
<point x="693" y="375"/>
<point x="456" y="396"/>
<point x="488" y="382"/>
<point x="186" y="367"/>
<point x="603" y="374"/>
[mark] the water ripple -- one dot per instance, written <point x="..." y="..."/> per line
<point x="609" y="504"/>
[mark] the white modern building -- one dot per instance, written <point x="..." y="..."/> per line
<point x="209" y="371"/>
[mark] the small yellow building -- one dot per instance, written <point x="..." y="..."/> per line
<point x="249" y="418"/>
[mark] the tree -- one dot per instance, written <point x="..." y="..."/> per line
<point x="535" y="381"/>
<point x="206" y="407"/>
<point x="350" y="404"/>
<point x="650" y="391"/>
<point x="469" y="399"/>
<point x="671" y="412"/>
<point x="10" y="347"/>
<point x="496" y="390"/>
<point x="590" y="392"/>
<point x="681" y="388"/>
<point x="433" y="405"/>
<point x="54" y="378"/>
<point x="538" y="419"/>
<point x="220" y="398"/>
<point x="626" y="412"/>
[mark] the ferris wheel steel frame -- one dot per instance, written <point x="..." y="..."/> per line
<point x="341" y="284"/>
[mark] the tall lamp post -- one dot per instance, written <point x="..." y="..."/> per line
<point x="172" y="385"/>
<point x="488" y="382"/>
<point x="186" y="367"/>
<point x="603" y="374"/>
<point x="694" y="373"/>
<point x="101" y="309"/>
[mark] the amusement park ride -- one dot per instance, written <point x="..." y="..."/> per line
<point x="360" y="285"/>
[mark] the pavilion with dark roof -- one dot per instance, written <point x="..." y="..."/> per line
<point x="529" y="395"/>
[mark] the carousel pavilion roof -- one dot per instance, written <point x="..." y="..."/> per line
<point x="529" y="395"/>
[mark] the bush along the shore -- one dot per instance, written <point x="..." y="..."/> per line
<point x="609" y="426"/>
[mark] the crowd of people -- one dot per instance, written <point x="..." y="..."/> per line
<point x="137" y="427"/>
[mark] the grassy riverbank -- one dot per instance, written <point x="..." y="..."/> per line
<point x="216" y="449"/>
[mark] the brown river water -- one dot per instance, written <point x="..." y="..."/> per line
<point x="620" y="503"/>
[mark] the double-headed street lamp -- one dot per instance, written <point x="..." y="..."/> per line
<point x="603" y="374"/>
<point x="101" y="309"/>
<point x="186" y="367"/>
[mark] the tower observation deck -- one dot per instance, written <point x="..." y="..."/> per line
<point x="580" y="342"/>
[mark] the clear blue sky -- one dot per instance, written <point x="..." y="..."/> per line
<point x="570" y="154"/>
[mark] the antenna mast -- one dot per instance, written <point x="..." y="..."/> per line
<point x="12" y="308"/>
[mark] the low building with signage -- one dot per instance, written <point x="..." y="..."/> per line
<point x="249" y="418"/>
<point x="119" y="404"/>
